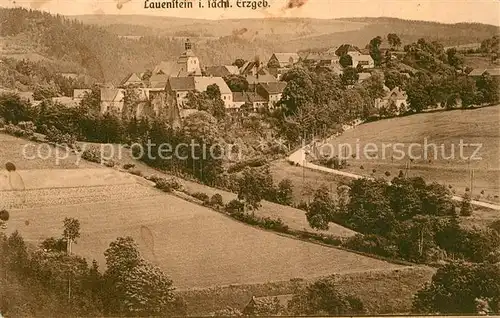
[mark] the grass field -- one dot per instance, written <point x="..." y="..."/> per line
<point x="292" y="217"/>
<point x="43" y="156"/>
<point x="446" y="130"/>
<point x="196" y="246"/>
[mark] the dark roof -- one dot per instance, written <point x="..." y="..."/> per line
<point x="219" y="71"/>
<point x="158" y="80"/>
<point x="248" y="97"/>
<point x="182" y="83"/>
<point x="273" y="87"/>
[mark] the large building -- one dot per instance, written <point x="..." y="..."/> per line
<point x="187" y="64"/>
<point x="178" y="88"/>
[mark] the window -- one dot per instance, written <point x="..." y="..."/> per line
<point x="178" y="95"/>
<point x="224" y="97"/>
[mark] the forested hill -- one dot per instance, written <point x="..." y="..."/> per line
<point x="95" y="45"/>
<point x="70" y="45"/>
<point x="303" y="32"/>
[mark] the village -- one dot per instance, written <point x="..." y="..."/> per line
<point x="119" y="197"/>
<point x="168" y="84"/>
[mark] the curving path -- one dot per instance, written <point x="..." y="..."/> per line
<point x="299" y="157"/>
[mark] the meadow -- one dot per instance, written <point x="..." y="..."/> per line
<point x="446" y="130"/>
<point x="194" y="245"/>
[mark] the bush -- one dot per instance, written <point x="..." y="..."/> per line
<point x="167" y="185"/>
<point x="388" y="174"/>
<point x="128" y="166"/>
<point x="92" y="154"/>
<point x="216" y="200"/>
<point x="22" y="129"/>
<point x="361" y="167"/>
<point x="55" y="135"/>
<point x="110" y="163"/>
<point x="235" y="206"/>
<point x="202" y="197"/>
<point x="372" y="244"/>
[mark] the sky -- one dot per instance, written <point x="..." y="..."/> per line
<point x="446" y="11"/>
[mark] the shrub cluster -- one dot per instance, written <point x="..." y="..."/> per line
<point x="235" y="209"/>
<point x="22" y="129"/>
<point x="167" y="185"/>
<point x="92" y="154"/>
<point x="55" y="135"/>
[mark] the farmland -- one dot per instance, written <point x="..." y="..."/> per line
<point x="37" y="155"/>
<point x="292" y="217"/>
<point x="194" y="245"/>
<point x="443" y="129"/>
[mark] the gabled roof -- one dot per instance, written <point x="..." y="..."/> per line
<point x="286" y="58"/>
<point x="198" y="83"/>
<point x="181" y="83"/>
<point x="477" y="72"/>
<point x="362" y="57"/>
<point x="158" y="80"/>
<point x="233" y="69"/>
<point x="131" y="78"/>
<point x="268" y="78"/>
<point x="164" y="68"/>
<point x="273" y="88"/>
<point x="396" y="93"/>
<point x="218" y="70"/>
<point x="108" y="94"/>
<point x="321" y="57"/>
<point x="493" y="71"/>
<point x="202" y="82"/>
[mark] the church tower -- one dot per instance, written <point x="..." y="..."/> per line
<point x="188" y="62"/>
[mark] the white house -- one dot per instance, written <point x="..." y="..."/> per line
<point x="365" y="60"/>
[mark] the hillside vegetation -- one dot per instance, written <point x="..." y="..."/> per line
<point x="92" y="44"/>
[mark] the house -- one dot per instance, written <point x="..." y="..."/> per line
<point x="272" y="92"/>
<point x="365" y="60"/>
<point x="322" y="59"/>
<point x="132" y="79"/>
<point x="260" y="305"/>
<point x="151" y="101"/>
<point x="282" y="60"/>
<point x="395" y="97"/>
<point x="221" y="70"/>
<point x="178" y="88"/>
<point x="256" y="100"/>
<point x="112" y="100"/>
<point x="201" y="83"/>
<point x="187" y="64"/>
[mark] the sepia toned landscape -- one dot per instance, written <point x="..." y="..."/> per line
<point x="280" y="166"/>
